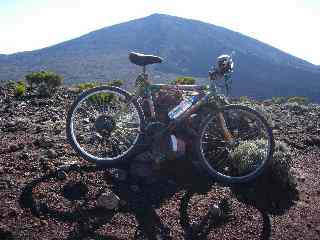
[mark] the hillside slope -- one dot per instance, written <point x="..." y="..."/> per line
<point x="189" y="47"/>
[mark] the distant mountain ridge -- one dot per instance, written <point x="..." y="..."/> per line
<point x="189" y="47"/>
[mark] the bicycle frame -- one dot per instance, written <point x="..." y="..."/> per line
<point x="208" y="96"/>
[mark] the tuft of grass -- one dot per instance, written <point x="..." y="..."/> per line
<point x="276" y="189"/>
<point x="279" y="100"/>
<point x="20" y="89"/>
<point x="298" y="99"/>
<point x="184" y="81"/>
<point x="244" y="99"/>
<point x="116" y="83"/>
<point x="297" y="108"/>
<point x="246" y="155"/>
<point x="88" y="85"/>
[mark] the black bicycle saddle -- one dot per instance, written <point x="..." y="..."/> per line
<point x="143" y="60"/>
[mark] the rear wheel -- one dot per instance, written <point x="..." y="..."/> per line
<point x="234" y="144"/>
<point x="104" y="125"/>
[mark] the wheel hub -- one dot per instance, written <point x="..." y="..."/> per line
<point x="105" y="124"/>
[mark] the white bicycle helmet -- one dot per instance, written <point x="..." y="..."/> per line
<point x="224" y="63"/>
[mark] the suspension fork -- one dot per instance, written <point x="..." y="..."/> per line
<point x="221" y="120"/>
<point x="226" y="133"/>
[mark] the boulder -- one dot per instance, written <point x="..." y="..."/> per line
<point x="44" y="142"/>
<point x="313" y="140"/>
<point x="52" y="153"/>
<point x="108" y="200"/>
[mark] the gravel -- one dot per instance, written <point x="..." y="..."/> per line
<point x="39" y="203"/>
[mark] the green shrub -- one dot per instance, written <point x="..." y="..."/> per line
<point x="88" y="85"/>
<point x="247" y="154"/>
<point x="53" y="81"/>
<point x="275" y="190"/>
<point x="102" y="98"/>
<point x="46" y="82"/>
<point x="20" y="89"/>
<point x="279" y="167"/>
<point x="10" y="84"/>
<point x="244" y="99"/>
<point x="298" y="99"/>
<point x="279" y="100"/>
<point x="116" y="83"/>
<point x="43" y="90"/>
<point x="297" y="108"/>
<point x="184" y="81"/>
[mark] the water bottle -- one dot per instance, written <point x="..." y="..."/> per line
<point x="182" y="107"/>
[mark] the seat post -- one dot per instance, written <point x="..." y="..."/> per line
<point x="144" y="70"/>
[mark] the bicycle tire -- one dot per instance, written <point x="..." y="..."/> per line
<point x="234" y="171"/>
<point x="102" y="125"/>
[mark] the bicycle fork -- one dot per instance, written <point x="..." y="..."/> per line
<point x="226" y="133"/>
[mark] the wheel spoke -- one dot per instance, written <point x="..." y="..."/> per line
<point x="246" y="154"/>
<point x="105" y="112"/>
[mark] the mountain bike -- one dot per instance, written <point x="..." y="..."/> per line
<point x="232" y="143"/>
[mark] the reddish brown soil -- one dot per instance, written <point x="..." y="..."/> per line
<point x="36" y="204"/>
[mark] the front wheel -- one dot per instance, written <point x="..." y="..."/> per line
<point x="104" y="125"/>
<point x="234" y="144"/>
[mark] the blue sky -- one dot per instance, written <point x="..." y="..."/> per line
<point x="291" y="25"/>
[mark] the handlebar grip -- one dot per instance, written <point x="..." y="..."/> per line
<point x="213" y="75"/>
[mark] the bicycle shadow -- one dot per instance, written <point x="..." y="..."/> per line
<point x="268" y="194"/>
<point x="82" y="215"/>
<point x="201" y="230"/>
<point x="88" y="218"/>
